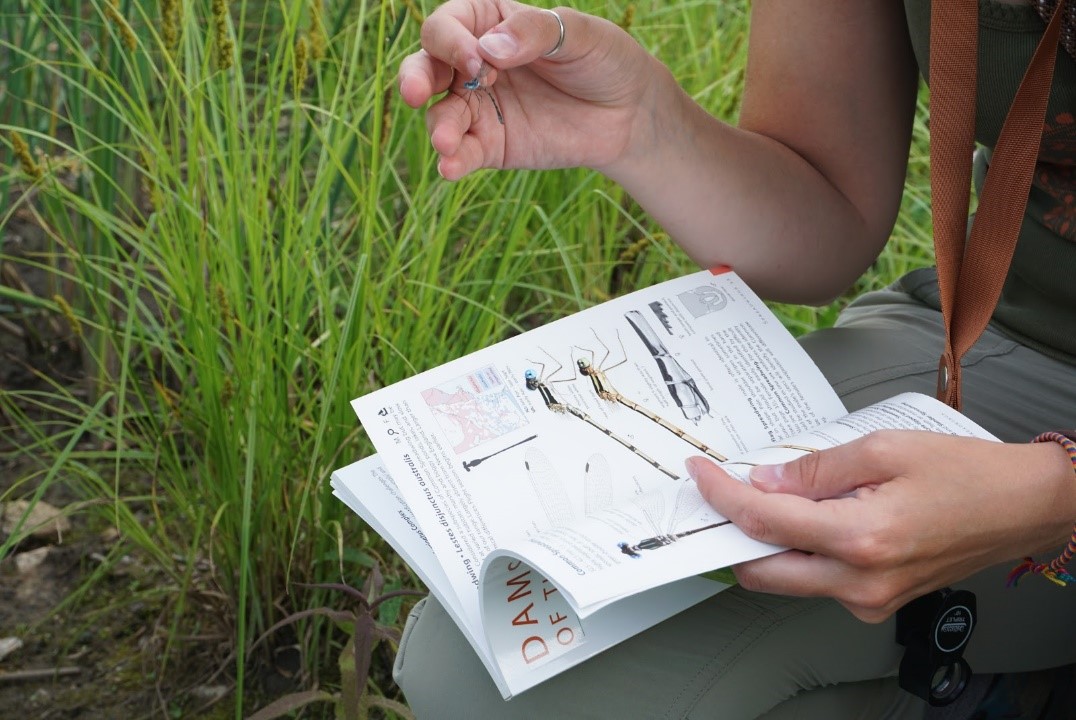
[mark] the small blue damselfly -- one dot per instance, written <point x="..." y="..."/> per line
<point x="477" y="83"/>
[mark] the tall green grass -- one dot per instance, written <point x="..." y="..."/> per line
<point x="245" y="229"/>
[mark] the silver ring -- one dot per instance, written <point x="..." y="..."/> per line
<point x="560" y="38"/>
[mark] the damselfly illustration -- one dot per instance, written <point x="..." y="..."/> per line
<point x="554" y="497"/>
<point x="681" y="386"/>
<point x="688" y="502"/>
<point x="468" y="464"/>
<point x="478" y="82"/>
<point x="792" y="446"/>
<point x="605" y="390"/>
<point x="789" y="446"/>
<point x="535" y="382"/>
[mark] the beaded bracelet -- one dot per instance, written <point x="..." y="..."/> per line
<point x="1055" y="571"/>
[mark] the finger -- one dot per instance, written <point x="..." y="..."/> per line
<point x="421" y="77"/>
<point x="791" y="572"/>
<point x="801" y="574"/>
<point x="450" y="33"/>
<point x="446" y="122"/>
<point x="792" y="521"/>
<point x="469" y="157"/>
<point x="875" y="458"/>
<point x="530" y="34"/>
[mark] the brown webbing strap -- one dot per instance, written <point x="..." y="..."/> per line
<point x="970" y="277"/>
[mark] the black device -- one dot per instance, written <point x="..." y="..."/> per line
<point x="934" y="629"/>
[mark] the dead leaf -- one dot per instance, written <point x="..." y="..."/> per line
<point x="9" y="645"/>
<point x="42" y="521"/>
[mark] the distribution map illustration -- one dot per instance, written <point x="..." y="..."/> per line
<point x="474" y="409"/>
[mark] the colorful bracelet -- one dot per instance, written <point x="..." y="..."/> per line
<point x="1055" y="571"/>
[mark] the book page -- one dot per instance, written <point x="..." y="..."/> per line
<point x="536" y="633"/>
<point x="551" y="427"/>
<point x="368" y="489"/>
<point x="672" y="532"/>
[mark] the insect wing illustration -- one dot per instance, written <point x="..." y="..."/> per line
<point x="552" y="495"/>
<point x="598" y="485"/>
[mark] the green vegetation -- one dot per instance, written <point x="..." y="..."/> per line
<point x="242" y="229"/>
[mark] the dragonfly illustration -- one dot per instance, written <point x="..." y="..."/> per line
<point x="687" y="504"/>
<point x="535" y="382"/>
<point x="554" y="498"/>
<point x="605" y="390"/>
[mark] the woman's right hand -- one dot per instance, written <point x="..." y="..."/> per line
<point x="587" y="104"/>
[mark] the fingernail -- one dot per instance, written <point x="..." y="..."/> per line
<point x="765" y="477"/>
<point x="499" y="44"/>
<point x="474" y="66"/>
<point x="440" y="171"/>
<point x="694" y="466"/>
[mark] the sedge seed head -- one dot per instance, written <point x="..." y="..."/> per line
<point x="26" y="160"/>
<point x="225" y="46"/>
<point x="302" y="53"/>
<point x="170" y="23"/>
<point x="225" y="307"/>
<point x="631" y="253"/>
<point x="414" y="11"/>
<point x="316" y="35"/>
<point x="68" y="313"/>
<point x="127" y="36"/>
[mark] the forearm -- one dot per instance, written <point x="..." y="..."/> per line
<point x="739" y="198"/>
<point x="802" y="196"/>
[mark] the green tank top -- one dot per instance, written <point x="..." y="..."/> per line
<point x="1038" y="302"/>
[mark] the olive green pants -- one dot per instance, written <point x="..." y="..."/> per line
<point x="747" y="655"/>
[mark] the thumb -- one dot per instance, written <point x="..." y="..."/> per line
<point x="828" y="473"/>
<point x="531" y="34"/>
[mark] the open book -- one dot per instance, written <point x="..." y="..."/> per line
<point x="538" y="487"/>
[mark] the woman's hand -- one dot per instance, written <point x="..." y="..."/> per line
<point x="892" y="516"/>
<point x="582" y="106"/>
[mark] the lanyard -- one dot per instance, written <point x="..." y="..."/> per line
<point x="972" y="268"/>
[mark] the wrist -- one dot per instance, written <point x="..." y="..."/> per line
<point x="1060" y="448"/>
<point x="660" y="121"/>
<point x="1060" y="483"/>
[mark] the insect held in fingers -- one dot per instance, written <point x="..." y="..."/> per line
<point x="477" y="83"/>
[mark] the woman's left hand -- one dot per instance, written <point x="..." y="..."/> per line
<point x="884" y="519"/>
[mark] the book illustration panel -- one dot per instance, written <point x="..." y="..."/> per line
<point x="554" y="496"/>
<point x="658" y="308"/>
<point x="475" y="462"/>
<point x="585" y="364"/>
<point x="679" y="383"/>
<point x="535" y="383"/>
<point x="474" y="409"/>
<point x="667" y="530"/>
<point x="604" y="389"/>
<point x="703" y="300"/>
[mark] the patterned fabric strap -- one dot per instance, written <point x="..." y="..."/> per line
<point x="1055" y="571"/>
<point x="1068" y="23"/>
